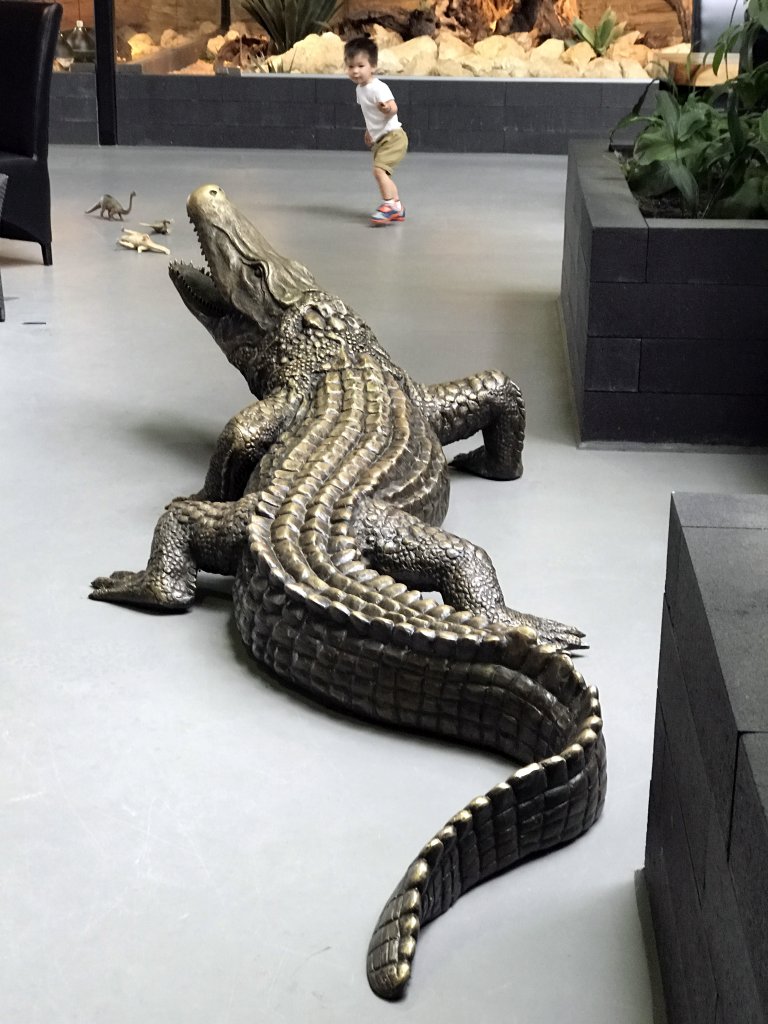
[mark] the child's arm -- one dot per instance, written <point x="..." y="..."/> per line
<point x="388" y="107"/>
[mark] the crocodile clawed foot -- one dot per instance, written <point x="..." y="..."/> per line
<point x="480" y="463"/>
<point x="139" y="588"/>
<point x="550" y="631"/>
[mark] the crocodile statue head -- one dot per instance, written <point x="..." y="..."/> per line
<point x="247" y="285"/>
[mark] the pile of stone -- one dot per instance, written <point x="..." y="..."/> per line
<point x="142" y="44"/>
<point x="511" y="56"/>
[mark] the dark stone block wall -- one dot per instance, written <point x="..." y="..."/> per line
<point x="707" y="843"/>
<point x="73" y="112"/>
<point x="665" y="319"/>
<point x="319" y="112"/>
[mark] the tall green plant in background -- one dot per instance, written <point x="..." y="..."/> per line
<point x="603" y="35"/>
<point x="289" y="21"/>
<point x="710" y="149"/>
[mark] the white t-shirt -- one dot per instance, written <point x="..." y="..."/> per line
<point x="376" y="122"/>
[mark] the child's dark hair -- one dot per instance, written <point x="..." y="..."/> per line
<point x="361" y="44"/>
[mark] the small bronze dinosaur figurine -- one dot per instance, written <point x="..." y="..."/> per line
<point x="110" y="206"/>
<point x="159" y="227"/>
<point x="324" y="500"/>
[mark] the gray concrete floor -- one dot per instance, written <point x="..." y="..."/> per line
<point x="184" y="841"/>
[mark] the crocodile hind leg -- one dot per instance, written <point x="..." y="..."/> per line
<point x="190" y="536"/>
<point x="489" y="402"/>
<point x="429" y="558"/>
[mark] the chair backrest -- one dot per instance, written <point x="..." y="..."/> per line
<point x="28" y="33"/>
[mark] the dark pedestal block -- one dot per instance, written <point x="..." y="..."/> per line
<point x="707" y="840"/>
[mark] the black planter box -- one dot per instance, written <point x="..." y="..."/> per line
<point x="707" y="840"/>
<point x="666" y="320"/>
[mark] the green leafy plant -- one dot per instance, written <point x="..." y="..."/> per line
<point x="289" y="21"/>
<point x="708" y="152"/>
<point x="603" y="35"/>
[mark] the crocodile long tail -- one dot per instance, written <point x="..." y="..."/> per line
<point x="540" y="806"/>
<point x="500" y="691"/>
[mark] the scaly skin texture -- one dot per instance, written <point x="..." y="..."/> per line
<point x="324" y="499"/>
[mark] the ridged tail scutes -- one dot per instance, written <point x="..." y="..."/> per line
<point x="540" y="806"/>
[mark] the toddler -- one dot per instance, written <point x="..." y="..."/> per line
<point x="383" y="131"/>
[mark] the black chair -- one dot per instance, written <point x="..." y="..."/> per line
<point x="3" y="183"/>
<point x="28" y="33"/>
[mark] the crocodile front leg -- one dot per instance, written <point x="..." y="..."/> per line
<point x="429" y="558"/>
<point x="242" y="443"/>
<point x="190" y="536"/>
<point x="487" y="401"/>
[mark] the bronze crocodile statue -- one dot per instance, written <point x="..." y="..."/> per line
<point x="324" y="500"/>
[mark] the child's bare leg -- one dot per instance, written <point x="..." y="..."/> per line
<point x="387" y="187"/>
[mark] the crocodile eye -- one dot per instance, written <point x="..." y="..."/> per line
<point x="258" y="270"/>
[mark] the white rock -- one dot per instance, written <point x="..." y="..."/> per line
<point x="316" y="55"/>
<point x="450" y="47"/>
<point x="169" y="38"/>
<point x="553" y="68"/>
<point x="384" y="37"/>
<point x="511" y="65"/>
<point x="389" y="64"/>
<point x="452" y="69"/>
<point x="417" y="56"/>
<point x="500" y="48"/>
<point x="207" y="27"/>
<point x="419" y="44"/>
<point x="518" y="68"/>
<point x="632" y="68"/>
<point x="489" y="47"/>
<point x="477" y="65"/>
<point x="623" y="45"/>
<point x="524" y="39"/>
<point x="602" y="67"/>
<point x="421" y="65"/>
<point x="637" y="52"/>
<point x="548" y="49"/>
<point x="214" y="44"/>
<point x="142" y="44"/>
<point x="579" y="55"/>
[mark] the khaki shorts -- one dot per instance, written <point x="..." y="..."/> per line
<point x="389" y="150"/>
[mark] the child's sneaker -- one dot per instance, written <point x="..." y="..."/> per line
<point x="387" y="214"/>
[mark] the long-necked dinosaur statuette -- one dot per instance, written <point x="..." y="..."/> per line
<point x="110" y="206"/>
<point x="324" y="500"/>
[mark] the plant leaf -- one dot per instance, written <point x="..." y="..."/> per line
<point x="686" y="185"/>
<point x="746" y="202"/>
